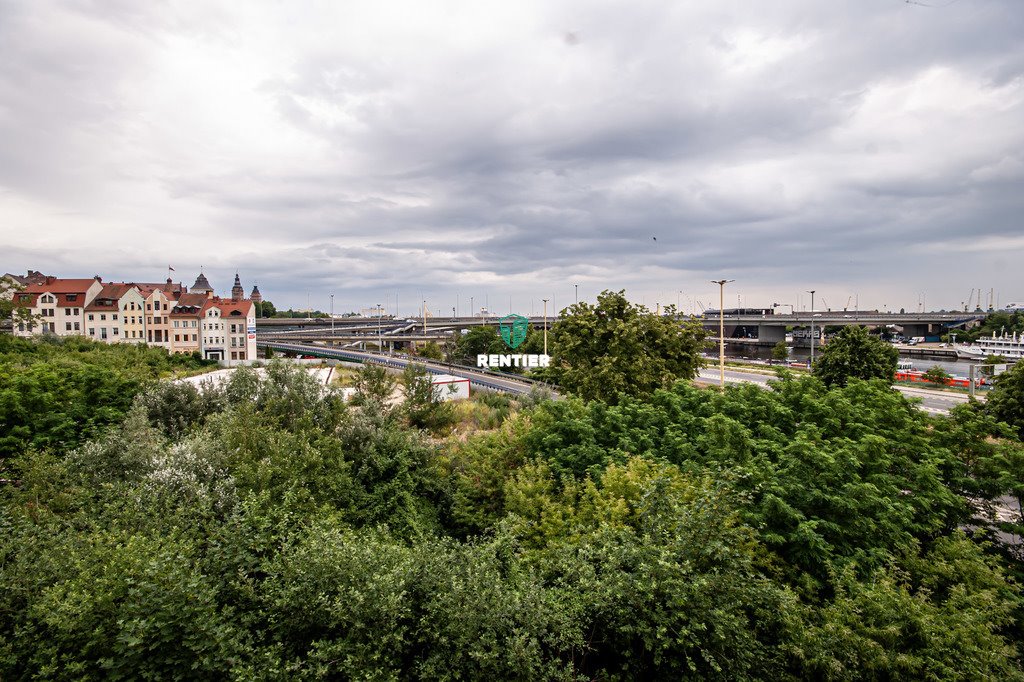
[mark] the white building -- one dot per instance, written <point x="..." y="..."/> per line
<point x="115" y="315"/>
<point x="161" y="314"/>
<point x="228" y="331"/>
<point x="57" y="306"/>
<point x="449" y="387"/>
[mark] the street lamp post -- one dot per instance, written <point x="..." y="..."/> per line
<point x="545" y="326"/>
<point x="811" y="292"/>
<point x="721" y="329"/>
<point x="577" y="287"/>
<point x="472" y="313"/>
<point x="380" y="343"/>
<point x="424" y="318"/>
<point x="332" y="314"/>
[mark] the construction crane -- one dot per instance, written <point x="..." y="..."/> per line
<point x="847" y="306"/>
<point x="969" y="298"/>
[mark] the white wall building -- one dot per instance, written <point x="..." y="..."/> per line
<point x="57" y="306"/>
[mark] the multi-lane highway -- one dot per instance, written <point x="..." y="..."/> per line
<point x="478" y="377"/>
<point x="935" y="402"/>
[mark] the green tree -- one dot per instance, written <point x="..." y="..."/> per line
<point x="780" y="352"/>
<point x="423" y="406"/>
<point x="374" y="386"/>
<point x="1006" y="400"/>
<point x="8" y="289"/>
<point x="855" y="354"/>
<point x="267" y="309"/>
<point x="987" y="369"/>
<point x="936" y="375"/>
<point x="430" y="351"/>
<point x="612" y="348"/>
<point x="481" y="340"/>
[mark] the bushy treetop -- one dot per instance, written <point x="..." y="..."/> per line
<point x="855" y="354"/>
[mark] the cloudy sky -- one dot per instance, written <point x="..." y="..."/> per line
<point x="448" y="150"/>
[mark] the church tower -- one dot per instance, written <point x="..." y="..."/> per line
<point x="256" y="296"/>
<point x="237" y="292"/>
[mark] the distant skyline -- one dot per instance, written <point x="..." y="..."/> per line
<point x="870" y="150"/>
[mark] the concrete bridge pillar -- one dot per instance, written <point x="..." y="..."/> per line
<point x="911" y="330"/>
<point x="770" y="332"/>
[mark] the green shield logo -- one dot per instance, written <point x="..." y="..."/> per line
<point x="513" y="330"/>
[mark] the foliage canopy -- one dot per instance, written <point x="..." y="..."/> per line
<point x="265" y="530"/>
<point x="855" y="354"/>
<point x="614" y="348"/>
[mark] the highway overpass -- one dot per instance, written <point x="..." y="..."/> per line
<point x="477" y="377"/>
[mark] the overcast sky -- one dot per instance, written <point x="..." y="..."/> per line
<point x="494" y="149"/>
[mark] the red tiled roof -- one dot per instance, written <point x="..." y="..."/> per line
<point x="54" y="285"/>
<point x="242" y="307"/>
<point x="61" y="288"/>
<point x="192" y="299"/>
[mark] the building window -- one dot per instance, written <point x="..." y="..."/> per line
<point x="67" y="326"/>
<point x="103" y="317"/>
<point x="117" y="331"/>
<point x="92" y="331"/>
<point x="72" y="297"/>
<point x="77" y="328"/>
<point x="91" y="317"/>
<point x="114" y="317"/>
<point x="103" y="333"/>
<point x="21" y="326"/>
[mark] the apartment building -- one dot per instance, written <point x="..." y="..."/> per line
<point x="57" y="306"/>
<point x="162" y="314"/>
<point x="186" y="322"/>
<point x="115" y="315"/>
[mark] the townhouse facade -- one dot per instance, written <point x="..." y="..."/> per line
<point x="165" y="315"/>
<point x="56" y="306"/>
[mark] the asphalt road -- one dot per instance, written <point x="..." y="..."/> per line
<point x="479" y="378"/>
<point x="935" y="402"/>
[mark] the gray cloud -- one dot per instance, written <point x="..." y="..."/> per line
<point x="513" y="150"/>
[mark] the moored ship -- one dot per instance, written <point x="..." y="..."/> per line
<point x="1009" y="346"/>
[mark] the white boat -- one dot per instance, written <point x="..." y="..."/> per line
<point x="1008" y="346"/>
